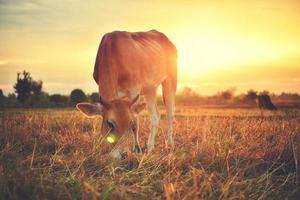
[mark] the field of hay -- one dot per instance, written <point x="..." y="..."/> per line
<point x="218" y="154"/>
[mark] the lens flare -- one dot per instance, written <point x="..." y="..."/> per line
<point x="111" y="138"/>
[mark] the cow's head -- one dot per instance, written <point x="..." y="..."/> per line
<point x="119" y="116"/>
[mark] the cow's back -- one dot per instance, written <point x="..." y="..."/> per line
<point x="133" y="62"/>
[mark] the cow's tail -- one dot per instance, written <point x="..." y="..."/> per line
<point x="169" y="85"/>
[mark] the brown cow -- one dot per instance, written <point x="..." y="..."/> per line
<point x="129" y="64"/>
<point x="264" y="102"/>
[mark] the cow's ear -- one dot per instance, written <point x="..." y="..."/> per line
<point x="90" y="109"/>
<point x="138" y="107"/>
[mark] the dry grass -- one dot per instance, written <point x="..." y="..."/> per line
<point x="218" y="154"/>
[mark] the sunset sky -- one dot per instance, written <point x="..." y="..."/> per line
<point x="221" y="43"/>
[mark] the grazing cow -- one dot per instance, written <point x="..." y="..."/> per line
<point x="130" y="64"/>
<point x="264" y="102"/>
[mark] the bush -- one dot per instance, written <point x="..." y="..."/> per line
<point x="59" y="100"/>
<point x="94" y="97"/>
<point x="77" y="96"/>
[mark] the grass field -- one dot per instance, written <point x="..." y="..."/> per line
<point x="218" y="154"/>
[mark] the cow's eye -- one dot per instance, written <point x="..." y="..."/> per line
<point x="111" y="124"/>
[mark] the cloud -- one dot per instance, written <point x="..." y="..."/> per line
<point x="16" y="2"/>
<point x="18" y="14"/>
<point x="17" y="7"/>
<point x="46" y="15"/>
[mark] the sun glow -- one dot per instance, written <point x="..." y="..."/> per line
<point x="207" y="51"/>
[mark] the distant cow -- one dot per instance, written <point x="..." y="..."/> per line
<point x="264" y="102"/>
<point x="129" y="64"/>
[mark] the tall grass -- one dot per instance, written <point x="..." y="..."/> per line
<point x="218" y="154"/>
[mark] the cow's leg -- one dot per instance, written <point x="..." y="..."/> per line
<point x="154" y="118"/>
<point x="169" y="90"/>
<point x="137" y="147"/>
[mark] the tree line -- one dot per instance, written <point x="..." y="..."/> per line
<point x="29" y="93"/>
<point x="228" y="98"/>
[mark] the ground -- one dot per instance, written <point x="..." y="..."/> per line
<point x="218" y="154"/>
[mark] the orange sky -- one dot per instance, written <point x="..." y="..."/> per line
<point x="221" y="44"/>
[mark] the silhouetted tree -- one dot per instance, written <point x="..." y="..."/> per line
<point x="40" y="100"/>
<point x="187" y="91"/>
<point x="265" y="92"/>
<point x="2" y="99"/>
<point x="227" y="94"/>
<point x="56" y="98"/>
<point x="25" y="86"/>
<point x="36" y="87"/>
<point x="8" y="101"/>
<point x="251" y="96"/>
<point x="188" y="96"/>
<point x="59" y="99"/>
<point x="12" y="96"/>
<point x="1" y="95"/>
<point x="289" y="96"/>
<point x="77" y="96"/>
<point x="94" y="97"/>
